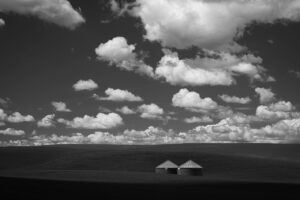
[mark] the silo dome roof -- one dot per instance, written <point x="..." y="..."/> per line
<point x="167" y="164"/>
<point x="190" y="164"/>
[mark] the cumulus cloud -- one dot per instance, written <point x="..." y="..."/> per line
<point x="213" y="69"/>
<point x="17" y="117"/>
<point x="59" y="12"/>
<point x="126" y="110"/>
<point x="119" y="9"/>
<point x="147" y="111"/>
<point x="114" y="6"/>
<point x="12" y="132"/>
<point x="287" y="130"/>
<point x="75" y="138"/>
<point x="47" y="121"/>
<point x="265" y="95"/>
<point x="238" y="129"/>
<point x="118" y="52"/>
<point x="235" y="129"/>
<point x="226" y="131"/>
<point x="60" y="106"/>
<point x="105" y="138"/>
<point x="191" y="100"/>
<point x="3" y="115"/>
<point x="100" y="121"/>
<point x="85" y="85"/>
<point x="104" y="109"/>
<point x="264" y="114"/>
<point x="2" y="22"/>
<point x="150" y="111"/>
<point x="177" y="72"/>
<point x="182" y="24"/>
<point x="222" y="131"/>
<point x="194" y="119"/>
<point x="234" y="99"/>
<point x="200" y="23"/>
<point x="152" y="135"/>
<point x="276" y="111"/>
<point x="119" y="96"/>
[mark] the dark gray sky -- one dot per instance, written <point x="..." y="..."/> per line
<point x="217" y="76"/>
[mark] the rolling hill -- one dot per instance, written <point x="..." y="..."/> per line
<point x="226" y="167"/>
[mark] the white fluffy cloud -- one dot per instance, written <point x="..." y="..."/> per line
<point x="2" y="22"/>
<point x="104" y="109"/>
<point x="234" y="99"/>
<point x="186" y="23"/>
<point x="119" y="96"/>
<point x="60" y="106"/>
<point x="194" y="119"/>
<point x="12" y="132"/>
<point x="100" y="121"/>
<point x="227" y="130"/>
<point x="276" y="111"/>
<point x="287" y="130"/>
<point x="191" y="100"/>
<point x="37" y="140"/>
<point x="223" y="131"/>
<point x="114" y="6"/>
<point x="182" y="24"/>
<point x="265" y="95"/>
<point x="213" y="69"/>
<point x="59" y="12"/>
<point x="117" y="51"/>
<point x="47" y="121"/>
<point x="126" y="110"/>
<point x="17" y="117"/>
<point x="3" y="115"/>
<point x="151" y="135"/>
<point x="230" y="130"/>
<point x="105" y="138"/>
<point x="117" y="9"/>
<point x="85" y="85"/>
<point x="150" y="111"/>
<point x="75" y="138"/>
<point x="177" y="72"/>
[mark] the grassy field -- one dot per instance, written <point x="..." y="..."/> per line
<point x="239" y="168"/>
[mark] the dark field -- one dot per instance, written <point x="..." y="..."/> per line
<point x="81" y="171"/>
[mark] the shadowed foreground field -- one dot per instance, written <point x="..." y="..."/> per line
<point x="80" y="171"/>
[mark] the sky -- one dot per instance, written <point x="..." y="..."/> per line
<point x="149" y="72"/>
